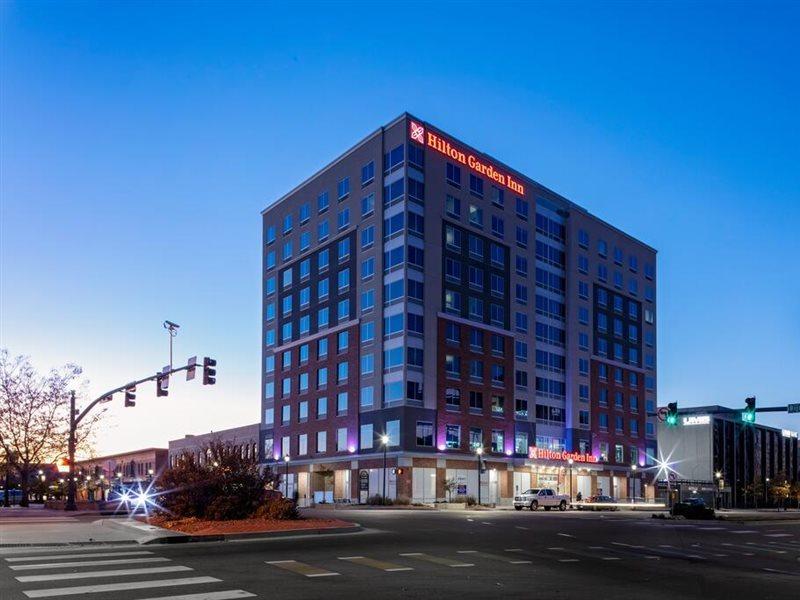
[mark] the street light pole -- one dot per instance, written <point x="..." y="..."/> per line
<point x="286" y="460"/>
<point x="172" y="329"/>
<point x="633" y="482"/>
<point x="479" y="453"/>
<point x="570" y="461"/>
<point x="385" y="442"/>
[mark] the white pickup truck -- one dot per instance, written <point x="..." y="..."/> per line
<point x="544" y="497"/>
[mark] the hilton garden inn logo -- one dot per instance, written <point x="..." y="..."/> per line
<point x="417" y="132"/>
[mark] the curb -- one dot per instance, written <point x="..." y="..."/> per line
<point x="187" y="538"/>
<point x="69" y="544"/>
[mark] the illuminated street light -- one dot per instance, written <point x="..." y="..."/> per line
<point x="479" y="453"/>
<point x="286" y="460"/>
<point x="570" y="462"/>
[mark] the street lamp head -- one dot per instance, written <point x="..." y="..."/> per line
<point x="102" y="477"/>
<point x="119" y="475"/>
<point x="385" y="440"/>
<point x="149" y="472"/>
<point x="570" y="461"/>
<point x="634" y="467"/>
<point x="286" y="458"/>
<point x="41" y="472"/>
<point x="718" y="474"/>
<point x="479" y="451"/>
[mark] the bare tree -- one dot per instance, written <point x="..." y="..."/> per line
<point x="34" y="415"/>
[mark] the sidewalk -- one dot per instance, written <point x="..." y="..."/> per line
<point x="758" y="514"/>
<point x="38" y="526"/>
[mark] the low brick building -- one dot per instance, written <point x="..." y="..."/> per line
<point x="242" y="439"/>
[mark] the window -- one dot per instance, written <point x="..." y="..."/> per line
<point x="498" y="440"/>
<point x="322" y="202"/>
<point x="322" y="441"/>
<point x="424" y="433"/>
<point x="619" y="453"/>
<point x="475" y="215"/>
<point x="341" y="403"/>
<point x="322" y="348"/>
<point x="367" y="436"/>
<point x="368" y="268"/>
<point x="367" y="332"/>
<point x="476" y="370"/>
<point x="393" y="160"/>
<point x="270" y="234"/>
<point x="452" y="207"/>
<point x="452" y="238"/>
<point x="367" y="173"/>
<point x="452" y="397"/>
<point x="344" y="280"/>
<point x="583" y="393"/>
<point x="367" y="396"/>
<point x="367" y="300"/>
<point x="341" y="439"/>
<point x="583" y="290"/>
<point x="287" y="224"/>
<point x="583" y="418"/>
<point x="452" y="436"/>
<point x="393" y="432"/>
<point x="498" y="226"/>
<point x="475" y="185"/>
<point x="343" y="188"/>
<point x="367" y="236"/>
<point x="452" y="365"/>
<point x="343" y="310"/>
<point x="367" y="205"/>
<point x="522" y="237"/>
<point x="453" y="175"/>
<point x="583" y="264"/>
<point x="452" y="332"/>
<point x="286" y="414"/>
<point x="302" y="382"/>
<point x="603" y="418"/>
<point x="416" y="155"/>
<point x="343" y="218"/>
<point x="476" y="400"/>
<point x="583" y="238"/>
<point x="521" y="442"/>
<point x="322" y="377"/>
<point x="476" y="339"/>
<point x="498" y="404"/>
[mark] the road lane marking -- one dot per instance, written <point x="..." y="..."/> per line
<point x="485" y="523"/>
<point x="513" y="550"/>
<point x="375" y="564"/>
<point x="436" y="559"/>
<point x="565" y="535"/>
<point x="494" y="557"/>
<point x="711" y="528"/>
<point x="523" y="528"/>
<point x="627" y="545"/>
<point x="227" y="595"/>
<point x="569" y="560"/>
<point x="744" y="531"/>
<point x="610" y="558"/>
<point x="597" y="548"/>
<point x="90" y="574"/>
<point x="118" y="587"/>
<point x="62" y="556"/>
<point x="88" y="563"/>
<point x="301" y="568"/>
<point x="651" y="557"/>
<point x="777" y="535"/>
<point x="556" y="548"/>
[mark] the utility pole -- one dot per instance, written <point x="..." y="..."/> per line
<point x="172" y="329"/>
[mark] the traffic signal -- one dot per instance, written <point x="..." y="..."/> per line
<point x="162" y="383"/>
<point x="749" y="414"/>
<point x="130" y="396"/>
<point x="672" y="414"/>
<point x="209" y="371"/>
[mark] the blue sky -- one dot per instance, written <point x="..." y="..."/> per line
<point x="141" y="141"/>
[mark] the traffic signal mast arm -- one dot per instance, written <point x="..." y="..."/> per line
<point x="107" y="396"/>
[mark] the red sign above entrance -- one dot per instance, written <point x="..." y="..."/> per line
<point x="432" y="140"/>
<point x="535" y="453"/>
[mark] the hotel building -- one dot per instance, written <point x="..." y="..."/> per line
<point x="418" y="289"/>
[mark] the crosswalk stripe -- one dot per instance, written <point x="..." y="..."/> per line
<point x="777" y="535"/>
<point x="90" y="574"/>
<point x="437" y="559"/>
<point x="301" y="568"/>
<point x="91" y="555"/>
<point x="375" y="564"/>
<point x="117" y="587"/>
<point x="227" y="595"/>
<point x="89" y="563"/>
<point x="494" y="557"/>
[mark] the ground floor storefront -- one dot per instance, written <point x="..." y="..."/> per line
<point x="424" y="479"/>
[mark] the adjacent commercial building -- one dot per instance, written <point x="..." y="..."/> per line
<point x="419" y="289"/>
<point x="714" y="454"/>
<point x="125" y="467"/>
<point x="243" y="440"/>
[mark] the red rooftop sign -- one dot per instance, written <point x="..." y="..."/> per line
<point x="443" y="146"/>
<point x="535" y="453"/>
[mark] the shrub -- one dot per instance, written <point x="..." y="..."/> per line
<point x="279" y="509"/>
<point x="378" y="500"/>
<point x="226" y="486"/>
<point x="470" y="500"/>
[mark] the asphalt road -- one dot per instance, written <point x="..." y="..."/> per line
<point x="418" y="554"/>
